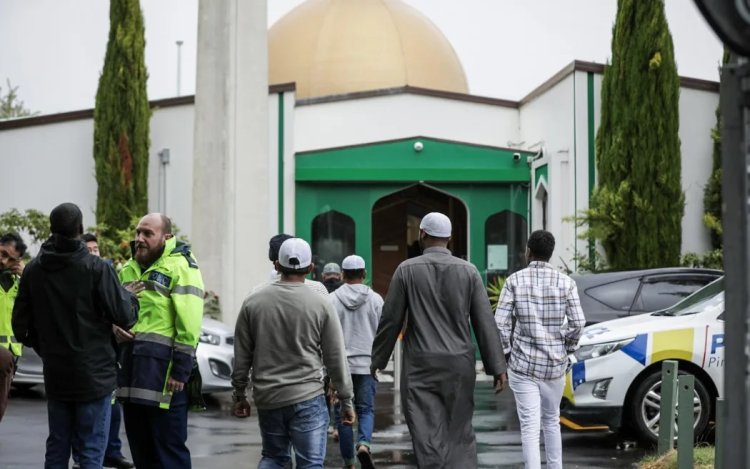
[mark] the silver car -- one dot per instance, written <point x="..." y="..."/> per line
<point x="215" y="355"/>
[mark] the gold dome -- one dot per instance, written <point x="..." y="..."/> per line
<point x="331" y="47"/>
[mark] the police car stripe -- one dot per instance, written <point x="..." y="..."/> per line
<point x="188" y="290"/>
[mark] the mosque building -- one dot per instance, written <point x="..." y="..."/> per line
<point x="371" y="126"/>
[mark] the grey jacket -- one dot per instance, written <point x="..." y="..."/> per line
<point x="287" y="333"/>
<point x="359" y="308"/>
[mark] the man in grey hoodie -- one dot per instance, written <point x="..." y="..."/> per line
<point x="359" y="308"/>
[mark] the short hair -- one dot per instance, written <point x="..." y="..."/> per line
<point x="89" y="237"/>
<point x="437" y="238"/>
<point x="541" y="244"/>
<point x="353" y="274"/>
<point x="289" y="271"/>
<point x="17" y="241"/>
<point x="66" y="220"/>
<point x="166" y="224"/>
<point x="274" y="244"/>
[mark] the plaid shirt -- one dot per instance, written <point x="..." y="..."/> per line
<point x="549" y="320"/>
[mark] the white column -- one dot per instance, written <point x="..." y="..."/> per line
<point x="231" y="216"/>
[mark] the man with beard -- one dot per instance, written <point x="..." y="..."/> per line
<point x="445" y="298"/>
<point x="332" y="276"/>
<point x="158" y="353"/>
<point x="67" y="302"/>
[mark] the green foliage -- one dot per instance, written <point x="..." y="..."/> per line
<point x="32" y="225"/>
<point x="10" y="105"/>
<point x="712" y="191"/>
<point x="121" y="123"/>
<point x="494" y="287"/>
<point x="636" y="210"/>
<point x="584" y="263"/>
<point x="703" y="458"/>
<point x="211" y="305"/>
<point x="709" y="260"/>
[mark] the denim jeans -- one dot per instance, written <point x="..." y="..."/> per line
<point x="303" y="426"/>
<point x="364" y="398"/>
<point x="538" y="402"/>
<point x="114" y="444"/>
<point x="87" y="421"/>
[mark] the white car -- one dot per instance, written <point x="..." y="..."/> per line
<point x="615" y="379"/>
<point x="215" y="355"/>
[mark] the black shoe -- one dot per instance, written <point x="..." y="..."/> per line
<point x="118" y="463"/>
<point x="365" y="458"/>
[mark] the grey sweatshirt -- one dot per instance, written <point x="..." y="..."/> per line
<point x="287" y="333"/>
<point x="359" y="308"/>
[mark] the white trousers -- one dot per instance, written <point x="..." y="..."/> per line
<point x="538" y="404"/>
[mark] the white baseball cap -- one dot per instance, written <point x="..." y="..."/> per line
<point x="353" y="263"/>
<point x="436" y="224"/>
<point x="295" y="254"/>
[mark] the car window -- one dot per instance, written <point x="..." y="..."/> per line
<point x="617" y="295"/>
<point x="663" y="293"/>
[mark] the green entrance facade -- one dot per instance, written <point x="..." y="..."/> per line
<point x="367" y="200"/>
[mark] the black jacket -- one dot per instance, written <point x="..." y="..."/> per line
<point x="67" y="302"/>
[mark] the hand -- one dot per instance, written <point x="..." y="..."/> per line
<point x="121" y="335"/>
<point x="17" y="267"/>
<point x="501" y="381"/>
<point x="241" y="409"/>
<point x="376" y="374"/>
<point x="135" y="287"/>
<point x="174" y="385"/>
<point x="348" y="417"/>
<point x="331" y="395"/>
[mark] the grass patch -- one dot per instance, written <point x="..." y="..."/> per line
<point x="703" y="458"/>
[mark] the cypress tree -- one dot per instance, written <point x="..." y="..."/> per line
<point x="639" y="195"/>
<point x="121" y="121"/>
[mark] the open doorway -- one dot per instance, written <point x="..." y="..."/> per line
<point x="395" y="228"/>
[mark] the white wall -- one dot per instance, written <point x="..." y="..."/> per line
<point x="549" y="119"/>
<point x="696" y="121"/>
<point x="46" y="165"/>
<point x="375" y="119"/>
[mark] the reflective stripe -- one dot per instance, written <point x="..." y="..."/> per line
<point x="157" y="287"/>
<point x="188" y="290"/>
<point x="154" y="337"/>
<point x="4" y="339"/>
<point x="186" y="349"/>
<point x="144" y="394"/>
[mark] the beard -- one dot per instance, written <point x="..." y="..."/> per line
<point x="145" y="257"/>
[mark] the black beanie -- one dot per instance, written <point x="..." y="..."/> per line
<point x="275" y="244"/>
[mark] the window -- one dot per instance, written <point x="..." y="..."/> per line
<point x="505" y="243"/>
<point x="332" y="239"/>
<point x="662" y="293"/>
<point x="617" y="295"/>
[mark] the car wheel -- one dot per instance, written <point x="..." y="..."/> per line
<point x="645" y="411"/>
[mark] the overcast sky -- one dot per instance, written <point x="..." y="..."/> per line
<point x="54" y="50"/>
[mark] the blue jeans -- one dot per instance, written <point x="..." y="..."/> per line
<point x="303" y="425"/>
<point x="364" y="398"/>
<point x="114" y="444"/>
<point x="88" y="422"/>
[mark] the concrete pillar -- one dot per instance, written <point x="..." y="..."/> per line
<point x="231" y="219"/>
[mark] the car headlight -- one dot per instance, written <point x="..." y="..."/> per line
<point x="207" y="338"/>
<point x="599" y="350"/>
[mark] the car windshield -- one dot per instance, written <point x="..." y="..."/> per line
<point x="707" y="297"/>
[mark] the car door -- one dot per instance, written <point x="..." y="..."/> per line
<point x="658" y="292"/>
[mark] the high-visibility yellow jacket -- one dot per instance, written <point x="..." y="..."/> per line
<point x="168" y="327"/>
<point x="7" y="339"/>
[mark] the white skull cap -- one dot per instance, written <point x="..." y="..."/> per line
<point x="295" y="253"/>
<point x="436" y="224"/>
<point x="353" y="263"/>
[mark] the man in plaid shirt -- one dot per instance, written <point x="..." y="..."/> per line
<point x="549" y="322"/>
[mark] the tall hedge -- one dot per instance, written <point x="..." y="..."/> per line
<point x="638" y="158"/>
<point x="121" y="121"/>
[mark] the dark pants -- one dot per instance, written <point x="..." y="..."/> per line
<point x="6" y="376"/>
<point x="114" y="444"/>
<point x="157" y="436"/>
<point x="88" y="422"/>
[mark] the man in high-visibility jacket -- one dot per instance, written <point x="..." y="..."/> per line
<point x="159" y="352"/>
<point x="12" y="249"/>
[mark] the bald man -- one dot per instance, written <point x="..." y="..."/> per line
<point x="158" y="353"/>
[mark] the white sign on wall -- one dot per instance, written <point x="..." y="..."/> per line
<point x="497" y="257"/>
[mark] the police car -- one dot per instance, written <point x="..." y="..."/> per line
<point x="614" y="381"/>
